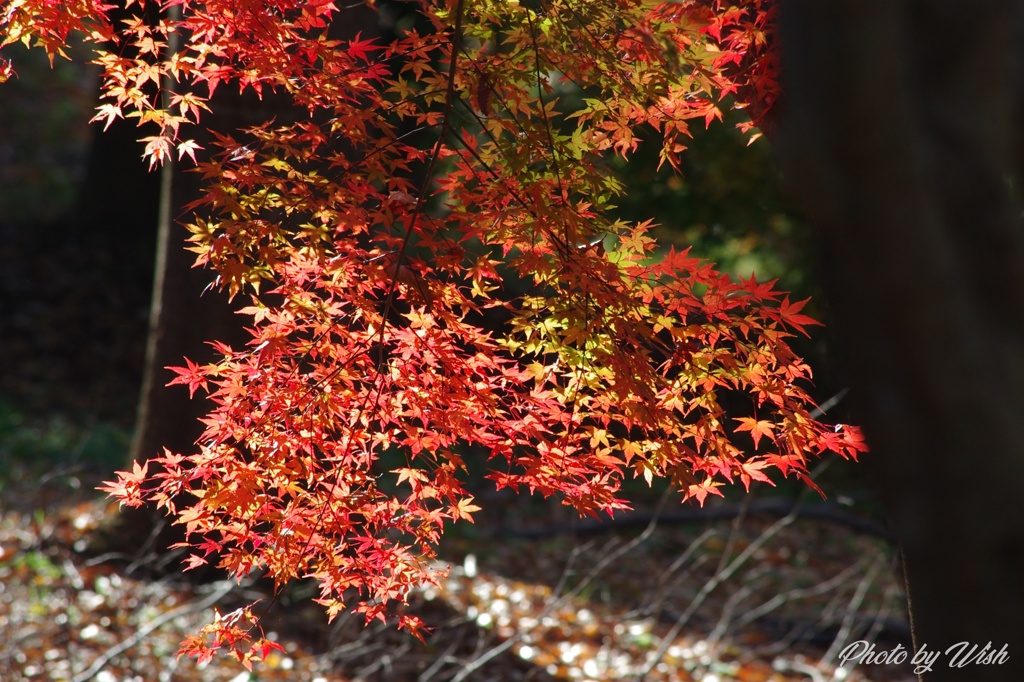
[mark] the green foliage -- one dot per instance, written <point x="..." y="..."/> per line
<point x="34" y="447"/>
<point x="727" y="203"/>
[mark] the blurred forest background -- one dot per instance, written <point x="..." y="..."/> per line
<point x="77" y="239"/>
<point x="76" y="262"/>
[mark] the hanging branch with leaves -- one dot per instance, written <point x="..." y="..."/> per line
<point x="427" y="187"/>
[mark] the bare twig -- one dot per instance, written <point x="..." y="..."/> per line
<point x="103" y="659"/>
<point x="725" y="572"/>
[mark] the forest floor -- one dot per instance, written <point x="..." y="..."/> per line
<point x="752" y="597"/>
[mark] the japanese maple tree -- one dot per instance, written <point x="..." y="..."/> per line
<point x="381" y="234"/>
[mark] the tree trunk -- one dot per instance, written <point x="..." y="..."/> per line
<point x="901" y="131"/>
<point x="185" y="313"/>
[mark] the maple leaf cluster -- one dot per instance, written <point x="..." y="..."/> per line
<point x="493" y="310"/>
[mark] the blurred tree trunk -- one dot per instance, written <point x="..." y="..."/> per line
<point x="901" y="130"/>
<point x="184" y="314"/>
<point x="183" y="319"/>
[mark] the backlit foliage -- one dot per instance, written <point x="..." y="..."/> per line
<point x="433" y="274"/>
